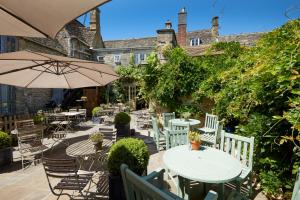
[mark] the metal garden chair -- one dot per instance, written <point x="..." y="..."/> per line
<point x="158" y="136"/>
<point x="167" y="117"/>
<point x="150" y="187"/>
<point x="242" y="149"/>
<point x="30" y="141"/>
<point x="62" y="175"/>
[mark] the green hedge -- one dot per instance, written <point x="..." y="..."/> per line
<point x="130" y="151"/>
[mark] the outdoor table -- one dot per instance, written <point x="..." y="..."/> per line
<point x="207" y="165"/>
<point x="182" y="122"/>
<point x="71" y="114"/>
<point x="85" y="149"/>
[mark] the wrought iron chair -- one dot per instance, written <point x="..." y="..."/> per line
<point x="82" y="116"/>
<point x="167" y="117"/>
<point x="30" y="141"/>
<point x="150" y="187"/>
<point x="64" y="173"/>
<point x="241" y="148"/>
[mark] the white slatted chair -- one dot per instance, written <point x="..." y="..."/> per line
<point x="167" y="117"/>
<point x="241" y="148"/>
<point x="296" y="191"/>
<point x="209" y="132"/>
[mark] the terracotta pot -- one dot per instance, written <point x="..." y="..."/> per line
<point x="195" y="145"/>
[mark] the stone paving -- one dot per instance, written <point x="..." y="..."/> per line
<point x="31" y="183"/>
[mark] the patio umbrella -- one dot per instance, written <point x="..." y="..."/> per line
<point x="42" y="18"/>
<point x="38" y="70"/>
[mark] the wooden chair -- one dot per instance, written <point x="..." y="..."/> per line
<point x="158" y="135"/>
<point x="64" y="174"/>
<point x="30" y="141"/>
<point x="242" y="149"/>
<point x="176" y="137"/>
<point x="167" y="117"/>
<point x="296" y="191"/>
<point x="210" y="129"/>
<point x="150" y="187"/>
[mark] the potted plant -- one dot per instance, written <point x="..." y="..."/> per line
<point x="97" y="140"/>
<point x="195" y="140"/>
<point x="130" y="151"/>
<point x="186" y="115"/>
<point x="6" y="156"/>
<point x="95" y="114"/>
<point x="39" y="118"/>
<point x="122" y="124"/>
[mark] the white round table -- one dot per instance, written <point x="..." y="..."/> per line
<point x="206" y="165"/>
<point x="182" y="122"/>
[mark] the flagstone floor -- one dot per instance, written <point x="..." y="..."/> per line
<point x="31" y="183"/>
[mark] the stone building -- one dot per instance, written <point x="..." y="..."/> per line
<point x="135" y="51"/>
<point x="74" y="40"/>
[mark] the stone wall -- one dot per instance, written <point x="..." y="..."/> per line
<point x="30" y="100"/>
<point x="126" y="55"/>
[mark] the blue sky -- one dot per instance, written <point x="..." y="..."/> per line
<point x="121" y="19"/>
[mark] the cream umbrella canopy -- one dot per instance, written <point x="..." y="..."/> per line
<point x="41" y="18"/>
<point x="38" y="70"/>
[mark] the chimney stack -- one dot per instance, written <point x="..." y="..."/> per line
<point x="168" y="24"/>
<point x="215" y="27"/>
<point x="94" y="20"/>
<point x="182" y="27"/>
<point x="166" y="38"/>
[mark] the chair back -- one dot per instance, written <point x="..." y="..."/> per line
<point x="176" y="137"/>
<point x="154" y="125"/>
<point x="73" y="110"/>
<point x="239" y="147"/>
<point x="24" y="124"/>
<point x="178" y="126"/>
<point x="137" y="188"/>
<point x="60" y="168"/>
<point x="167" y="117"/>
<point x="296" y="191"/>
<point x="211" y="121"/>
<point x="212" y="138"/>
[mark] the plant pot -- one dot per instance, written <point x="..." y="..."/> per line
<point x="6" y="156"/>
<point x="97" y="145"/>
<point x="116" y="188"/>
<point x="123" y="130"/>
<point x="195" y="145"/>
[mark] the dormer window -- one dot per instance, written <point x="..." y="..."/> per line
<point x="195" y="41"/>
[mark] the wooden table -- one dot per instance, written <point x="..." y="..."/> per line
<point x="207" y="165"/>
<point x="85" y="150"/>
<point x="184" y="123"/>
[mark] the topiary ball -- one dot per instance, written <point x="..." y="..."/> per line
<point x="122" y="118"/>
<point x="5" y="140"/>
<point x="130" y="151"/>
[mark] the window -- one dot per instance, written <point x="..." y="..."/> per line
<point x="140" y="58"/>
<point x="195" y="42"/>
<point x="117" y="59"/>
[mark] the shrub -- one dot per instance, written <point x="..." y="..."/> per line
<point x="5" y="140"/>
<point x="97" y="137"/>
<point x="96" y="111"/>
<point x="130" y="151"/>
<point x="122" y="118"/>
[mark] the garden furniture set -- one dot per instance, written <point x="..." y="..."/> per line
<point x="218" y="161"/>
